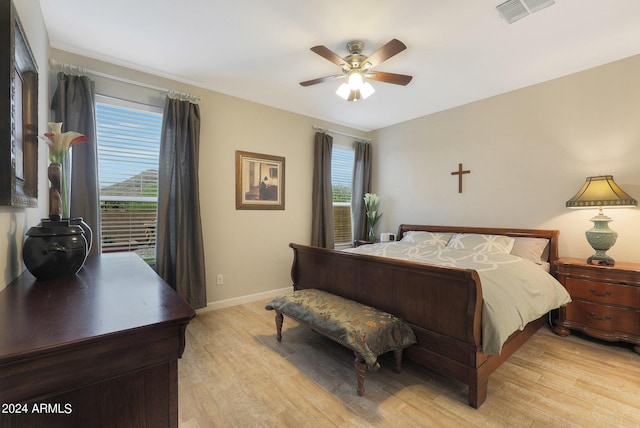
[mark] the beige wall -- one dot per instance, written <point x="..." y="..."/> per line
<point x="528" y="151"/>
<point x="14" y="222"/>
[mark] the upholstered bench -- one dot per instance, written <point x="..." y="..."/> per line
<point x="367" y="331"/>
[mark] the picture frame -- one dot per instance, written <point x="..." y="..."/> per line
<point x="18" y="113"/>
<point x="260" y="181"/>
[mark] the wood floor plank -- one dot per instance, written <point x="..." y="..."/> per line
<point x="234" y="373"/>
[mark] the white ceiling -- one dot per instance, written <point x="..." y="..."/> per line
<point x="458" y="51"/>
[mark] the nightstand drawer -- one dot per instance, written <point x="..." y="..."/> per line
<point x="602" y="292"/>
<point x="605" y="318"/>
<point x="604" y="274"/>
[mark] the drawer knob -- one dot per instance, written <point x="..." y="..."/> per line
<point x="605" y="294"/>
<point x="595" y="317"/>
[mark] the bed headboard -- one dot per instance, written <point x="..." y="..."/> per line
<point x="551" y="235"/>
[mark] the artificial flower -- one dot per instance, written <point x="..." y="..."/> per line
<point x="59" y="142"/>
<point x="371" y="206"/>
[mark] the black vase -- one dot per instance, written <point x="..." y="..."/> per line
<point x="54" y="249"/>
<point x="88" y="233"/>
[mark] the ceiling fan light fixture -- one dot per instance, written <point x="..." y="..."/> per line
<point x="343" y="91"/>
<point x="355" y="80"/>
<point x="366" y="90"/>
<point x="355" y="88"/>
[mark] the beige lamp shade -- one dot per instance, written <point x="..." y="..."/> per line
<point x="601" y="191"/>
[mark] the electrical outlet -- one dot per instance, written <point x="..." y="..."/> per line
<point x="219" y="279"/>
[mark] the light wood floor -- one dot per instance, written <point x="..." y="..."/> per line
<point x="235" y="374"/>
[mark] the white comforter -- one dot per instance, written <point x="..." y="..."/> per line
<point x="515" y="291"/>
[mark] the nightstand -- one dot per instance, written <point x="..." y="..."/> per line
<point x="605" y="300"/>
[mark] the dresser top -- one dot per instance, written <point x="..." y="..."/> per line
<point x="112" y="293"/>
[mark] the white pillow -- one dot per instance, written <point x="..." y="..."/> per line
<point x="481" y="243"/>
<point x="421" y="237"/>
<point x="534" y="249"/>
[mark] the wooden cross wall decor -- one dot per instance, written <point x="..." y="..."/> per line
<point x="459" y="173"/>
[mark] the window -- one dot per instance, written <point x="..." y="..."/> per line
<point x="341" y="183"/>
<point x="128" y="152"/>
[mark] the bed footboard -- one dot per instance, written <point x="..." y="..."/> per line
<point x="446" y="301"/>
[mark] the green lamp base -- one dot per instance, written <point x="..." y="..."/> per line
<point x="601" y="260"/>
<point x="601" y="238"/>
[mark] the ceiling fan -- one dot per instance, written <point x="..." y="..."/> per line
<point x="356" y="67"/>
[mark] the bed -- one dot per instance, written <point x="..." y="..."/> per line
<point x="443" y="304"/>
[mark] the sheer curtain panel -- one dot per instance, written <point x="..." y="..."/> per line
<point x="73" y="104"/>
<point x="322" y="196"/>
<point x="361" y="185"/>
<point x="179" y="245"/>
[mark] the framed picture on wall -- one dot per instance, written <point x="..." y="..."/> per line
<point x="259" y="181"/>
<point x="18" y="113"/>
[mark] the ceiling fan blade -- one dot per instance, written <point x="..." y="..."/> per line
<point x="396" y="79"/>
<point x="321" y="80"/>
<point x="328" y="54"/>
<point x="392" y="48"/>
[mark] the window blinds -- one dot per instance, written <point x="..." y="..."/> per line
<point x="128" y="151"/>
<point x="341" y="183"/>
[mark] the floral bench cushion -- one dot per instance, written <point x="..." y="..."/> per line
<point x="367" y="331"/>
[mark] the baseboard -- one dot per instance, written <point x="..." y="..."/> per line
<point x="212" y="306"/>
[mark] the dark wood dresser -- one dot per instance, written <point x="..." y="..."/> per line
<point x="97" y="349"/>
<point x="606" y="300"/>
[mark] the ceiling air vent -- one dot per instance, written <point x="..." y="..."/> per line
<point x="513" y="10"/>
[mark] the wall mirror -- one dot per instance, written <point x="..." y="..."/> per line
<point x="18" y="113"/>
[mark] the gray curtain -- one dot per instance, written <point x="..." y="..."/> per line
<point x="361" y="185"/>
<point x="73" y="104"/>
<point x="322" y="200"/>
<point x="179" y="247"/>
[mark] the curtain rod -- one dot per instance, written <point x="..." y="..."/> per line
<point x="320" y="128"/>
<point x="70" y="68"/>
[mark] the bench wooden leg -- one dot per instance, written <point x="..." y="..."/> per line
<point x="279" y="321"/>
<point x="361" y="370"/>
<point x="397" y="353"/>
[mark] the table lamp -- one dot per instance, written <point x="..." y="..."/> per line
<point x="601" y="191"/>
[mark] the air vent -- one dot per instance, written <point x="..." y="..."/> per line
<point x="513" y="10"/>
<point x="536" y="5"/>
